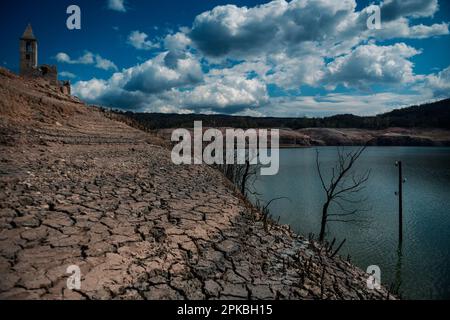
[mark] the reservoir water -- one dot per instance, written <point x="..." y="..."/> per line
<point x="421" y="268"/>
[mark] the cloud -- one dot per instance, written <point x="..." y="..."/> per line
<point x="284" y="27"/>
<point x="88" y="58"/>
<point x="245" y="97"/>
<point x="156" y="86"/>
<point x="242" y="31"/>
<point x="104" y="64"/>
<point x="401" y="28"/>
<point x="341" y="103"/>
<point x="227" y="93"/>
<point x="292" y="72"/>
<point x="90" y="90"/>
<point x="230" y="59"/>
<point x="421" y="31"/>
<point x="394" y="9"/>
<point x="117" y="5"/>
<point x="233" y="30"/>
<point x="438" y="84"/>
<point x="275" y="26"/>
<point x="67" y="74"/>
<point x="139" y="40"/>
<point x="372" y="64"/>
<point x="156" y="75"/>
<point x="177" y="41"/>
<point x="141" y="81"/>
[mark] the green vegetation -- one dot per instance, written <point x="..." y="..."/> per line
<point x="431" y="115"/>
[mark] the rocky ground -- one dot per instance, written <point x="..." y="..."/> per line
<point x="79" y="189"/>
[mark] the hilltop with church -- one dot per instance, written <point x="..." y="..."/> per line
<point x="29" y="63"/>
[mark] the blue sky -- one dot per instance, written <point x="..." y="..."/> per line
<point x="279" y="58"/>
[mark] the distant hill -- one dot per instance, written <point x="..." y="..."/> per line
<point x="430" y="115"/>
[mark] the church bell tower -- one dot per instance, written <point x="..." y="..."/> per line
<point x="28" y="52"/>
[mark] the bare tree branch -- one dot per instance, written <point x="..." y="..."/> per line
<point x="343" y="184"/>
<point x="320" y="173"/>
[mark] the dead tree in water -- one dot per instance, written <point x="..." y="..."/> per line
<point x="343" y="184"/>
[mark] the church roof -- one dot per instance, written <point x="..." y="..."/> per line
<point x="28" y="34"/>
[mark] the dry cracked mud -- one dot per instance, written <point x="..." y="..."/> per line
<point x="79" y="189"/>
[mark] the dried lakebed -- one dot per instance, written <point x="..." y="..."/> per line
<point x="77" y="188"/>
<point x="140" y="227"/>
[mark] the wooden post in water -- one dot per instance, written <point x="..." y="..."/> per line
<point x="400" y="202"/>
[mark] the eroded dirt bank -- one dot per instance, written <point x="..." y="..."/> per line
<point x="79" y="189"/>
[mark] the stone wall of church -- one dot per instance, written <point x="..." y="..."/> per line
<point x="49" y="73"/>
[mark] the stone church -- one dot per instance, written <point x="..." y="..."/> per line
<point x="29" y="63"/>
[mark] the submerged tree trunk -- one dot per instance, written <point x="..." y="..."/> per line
<point x="339" y="189"/>
<point x="244" y="177"/>
<point x="324" y="221"/>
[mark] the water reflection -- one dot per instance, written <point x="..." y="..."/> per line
<point x="426" y="240"/>
<point x="398" y="270"/>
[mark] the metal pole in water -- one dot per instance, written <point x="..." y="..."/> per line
<point x="400" y="201"/>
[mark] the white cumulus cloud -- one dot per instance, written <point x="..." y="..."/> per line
<point x="372" y="64"/>
<point x="117" y="5"/>
<point x="140" y="41"/>
<point x="439" y="83"/>
<point x="67" y="74"/>
<point x="231" y="57"/>
<point x="88" y="58"/>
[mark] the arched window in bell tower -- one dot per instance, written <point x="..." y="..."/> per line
<point x="29" y="47"/>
